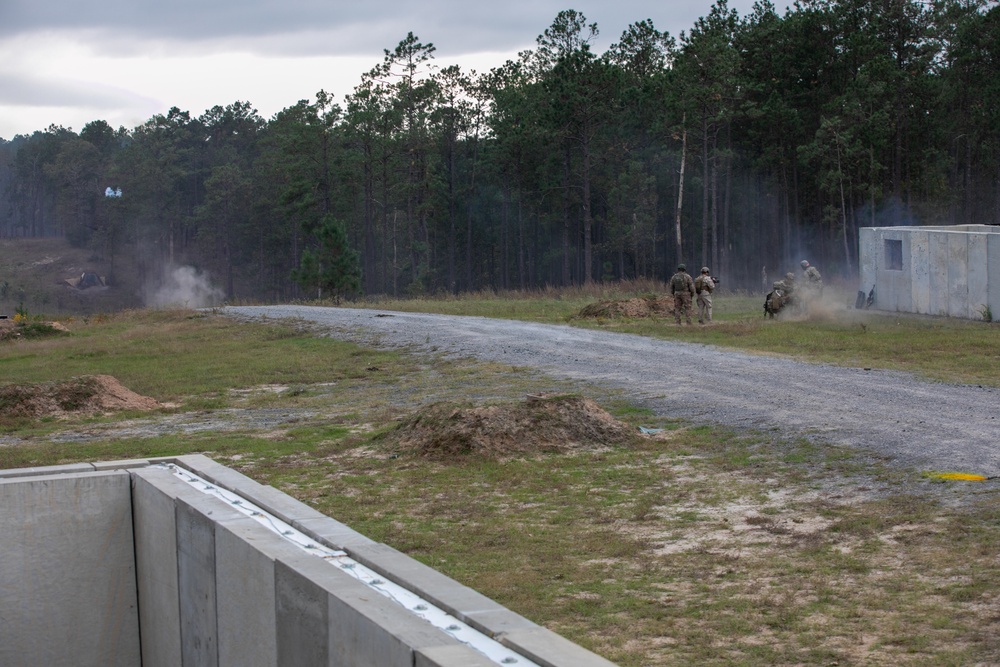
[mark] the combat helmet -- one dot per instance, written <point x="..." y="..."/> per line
<point x="804" y="264"/>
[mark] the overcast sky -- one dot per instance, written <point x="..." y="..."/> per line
<point x="68" y="62"/>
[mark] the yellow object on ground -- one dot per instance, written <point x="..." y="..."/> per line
<point x="969" y="477"/>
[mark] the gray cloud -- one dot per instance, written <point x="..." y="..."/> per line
<point x="30" y="91"/>
<point x="270" y="31"/>
<point x="314" y="27"/>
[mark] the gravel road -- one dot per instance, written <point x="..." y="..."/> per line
<point x="893" y="416"/>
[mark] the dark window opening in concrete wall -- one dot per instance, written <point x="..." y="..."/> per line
<point x="894" y="254"/>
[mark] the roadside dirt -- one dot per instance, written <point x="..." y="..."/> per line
<point x="87" y="394"/>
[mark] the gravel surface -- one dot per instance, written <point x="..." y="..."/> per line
<point x="893" y="416"/>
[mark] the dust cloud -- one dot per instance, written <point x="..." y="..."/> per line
<point x="183" y="287"/>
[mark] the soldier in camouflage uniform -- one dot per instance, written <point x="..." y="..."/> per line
<point x="682" y="287"/>
<point x="812" y="282"/>
<point x="704" y="285"/>
<point x="780" y="296"/>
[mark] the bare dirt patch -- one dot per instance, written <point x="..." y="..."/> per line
<point x="539" y="424"/>
<point x="87" y="394"/>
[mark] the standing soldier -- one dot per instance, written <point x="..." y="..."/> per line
<point x="704" y="285"/>
<point x="812" y="281"/>
<point x="682" y="287"/>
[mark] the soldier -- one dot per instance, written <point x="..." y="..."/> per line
<point x="812" y="283"/>
<point x="786" y="286"/>
<point x="682" y="287"/>
<point x="785" y="289"/>
<point x="704" y="285"/>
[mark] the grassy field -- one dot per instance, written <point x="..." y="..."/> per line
<point x="699" y="547"/>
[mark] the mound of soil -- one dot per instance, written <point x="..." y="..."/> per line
<point x="10" y="330"/>
<point x="87" y="394"/>
<point x="647" y="306"/>
<point x="540" y="424"/>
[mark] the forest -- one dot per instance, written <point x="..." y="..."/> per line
<point x="745" y="144"/>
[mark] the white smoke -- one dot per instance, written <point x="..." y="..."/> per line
<point x="184" y="287"/>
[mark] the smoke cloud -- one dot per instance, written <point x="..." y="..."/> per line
<point x="184" y="287"/>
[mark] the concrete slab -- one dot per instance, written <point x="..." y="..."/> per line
<point x="548" y="648"/>
<point x="225" y="477"/>
<point x="467" y="605"/>
<point x="196" y="581"/>
<point x="47" y="470"/>
<point x="245" y="553"/>
<point x="450" y="656"/>
<point x="126" y="464"/>
<point x="958" y="275"/>
<point x="369" y="630"/>
<point x="993" y="276"/>
<point x="937" y="266"/>
<point x="920" y="279"/>
<point x="67" y="571"/>
<point x="302" y="615"/>
<point x="978" y="275"/>
<point x="332" y="532"/>
<point x="153" y="494"/>
<point x="362" y="627"/>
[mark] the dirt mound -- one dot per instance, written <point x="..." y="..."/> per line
<point x="11" y="330"/>
<point x="540" y="424"/>
<point x="84" y="394"/>
<point x="647" y="306"/>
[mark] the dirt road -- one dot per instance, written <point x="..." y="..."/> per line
<point x="909" y="422"/>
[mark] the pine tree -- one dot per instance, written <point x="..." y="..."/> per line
<point x="333" y="267"/>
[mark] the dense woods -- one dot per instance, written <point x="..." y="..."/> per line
<point x="743" y="143"/>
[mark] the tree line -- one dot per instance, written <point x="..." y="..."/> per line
<point x="746" y="144"/>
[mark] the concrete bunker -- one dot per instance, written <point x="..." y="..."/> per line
<point x="183" y="561"/>
<point x="948" y="270"/>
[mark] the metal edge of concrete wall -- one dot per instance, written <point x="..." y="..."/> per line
<point x="176" y="595"/>
<point x="320" y="615"/>
<point x="489" y="617"/>
<point x="67" y="569"/>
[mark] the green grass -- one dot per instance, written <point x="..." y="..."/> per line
<point x="702" y="546"/>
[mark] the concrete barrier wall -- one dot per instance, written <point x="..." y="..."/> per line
<point x="216" y="587"/>
<point x="67" y="574"/>
<point x="949" y="271"/>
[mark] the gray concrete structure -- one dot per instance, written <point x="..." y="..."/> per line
<point x="952" y="271"/>
<point x="67" y="573"/>
<point x="186" y="562"/>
